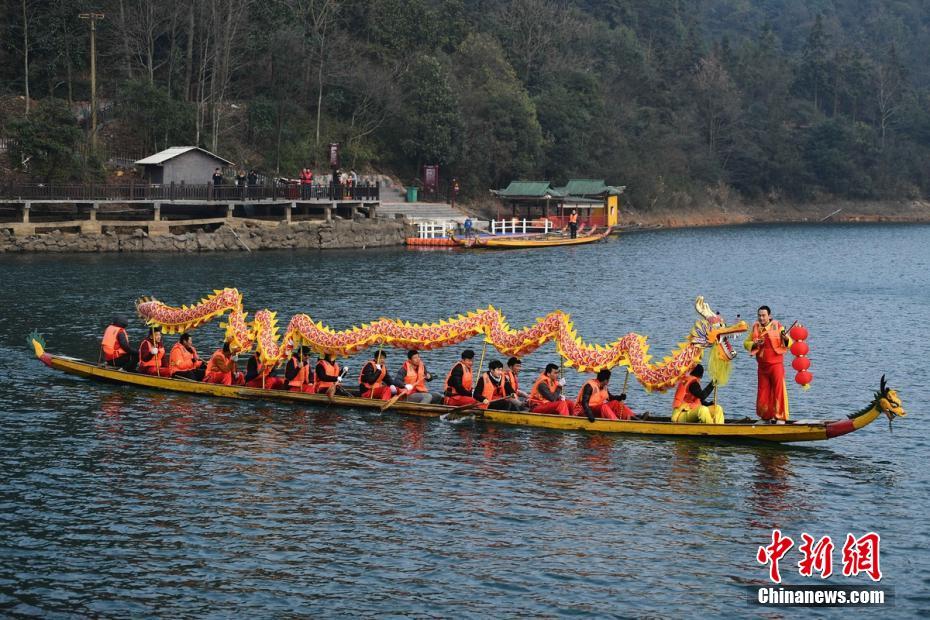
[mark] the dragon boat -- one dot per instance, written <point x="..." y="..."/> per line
<point x="522" y="242"/>
<point x="709" y="334"/>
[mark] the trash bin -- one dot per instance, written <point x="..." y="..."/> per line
<point x="412" y="194"/>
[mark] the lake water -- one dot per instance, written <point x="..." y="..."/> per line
<point x="126" y="502"/>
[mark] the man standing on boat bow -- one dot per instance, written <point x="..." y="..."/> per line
<point x="768" y="342"/>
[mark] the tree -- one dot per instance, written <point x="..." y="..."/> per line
<point x="814" y="70"/>
<point x="45" y="143"/>
<point x="717" y="103"/>
<point x="161" y="120"/>
<point x="431" y="122"/>
<point x="888" y="89"/>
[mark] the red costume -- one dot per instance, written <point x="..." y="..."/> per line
<point x="600" y="404"/>
<point x="540" y="404"/>
<point x="222" y="370"/>
<point x="772" y="397"/>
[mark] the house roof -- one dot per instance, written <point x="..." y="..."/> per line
<point x="528" y="189"/>
<point x="590" y="187"/>
<point x="170" y="153"/>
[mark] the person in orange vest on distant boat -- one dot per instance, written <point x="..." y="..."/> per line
<point x="415" y="376"/>
<point x="221" y="368"/>
<point x="375" y="381"/>
<point x="297" y="373"/>
<point x="690" y="403"/>
<point x="491" y="391"/>
<point x="115" y="348"/>
<point x="768" y="342"/>
<point x="258" y="375"/>
<point x="546" y="393"/>
<point x="184" y="361"/>
<point x="573" y="224"/>
<point x="594" y="400"/>
<point x="152" y="354"/>
<point x="458" y="386"/>
<point x="512" y="383"/>
<point x="327" y="375"/>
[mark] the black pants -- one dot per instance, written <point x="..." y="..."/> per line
<point x="196" y="374"/>
<point x="503" y="404"/>
<point x="573" y="229"/>
<point x="126" y="361"/>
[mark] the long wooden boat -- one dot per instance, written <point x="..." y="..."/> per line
<point x="885" y="402"/>
<point x="504" y="243"/>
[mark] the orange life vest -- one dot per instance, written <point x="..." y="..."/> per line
<point x="415" y="375"/>
<point x="378" y="382"/>
<point x="332" y="369"/>
<point x="511" y="376"/>
<point x="466" y="377"/>
<point x="220" y="364"/>
<point x="683" y="397"/>
<point x="573" y="218"/>
<point x="155" y="360"/>
<point x="773" y="336"/>
<point x="490" y="391"/>
<point x="302" y="377"/>
<point x="599" y="395"/>
<point x="535" y="396"/>
<point x="181" y="359"/>
<point x="110" y="344"/>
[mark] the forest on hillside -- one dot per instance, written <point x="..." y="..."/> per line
<point x="773" y="99"/>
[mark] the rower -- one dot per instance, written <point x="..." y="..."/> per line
<point x="594" y="400"/>
<point x="490" y="390"/>
<point x="221" y="368"/>
<point x="183" y="361"/>
<point x="375" y="382"/>
<point x="415" y="377"/>
<point x="546" y="394"/>
<point x="151" y="355"/>
<point x="115" y="347"/>
<point x="297" y="372"/>
<point x="512" y="383"/>
<point x="691" y="404"/>
<point x="327" y="373"/>
<point x="258" y="375"/>
<point x="458" y="385"/>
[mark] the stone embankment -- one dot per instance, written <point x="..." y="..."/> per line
<point x="238" y="236"/>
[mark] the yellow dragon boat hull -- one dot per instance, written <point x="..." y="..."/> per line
<point x="739" y="430"/>
<point x="526" y="242"/>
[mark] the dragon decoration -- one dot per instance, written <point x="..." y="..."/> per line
<point x="631" y="350"/>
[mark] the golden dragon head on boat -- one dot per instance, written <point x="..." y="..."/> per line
<point x="888" y="402"/>
<point x="712" y="332"/>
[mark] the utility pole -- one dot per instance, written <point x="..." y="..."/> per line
<point x="93" y="18"/>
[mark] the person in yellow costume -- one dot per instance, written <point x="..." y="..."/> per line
<point x="691" y="404"/>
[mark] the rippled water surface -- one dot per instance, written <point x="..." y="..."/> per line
<point x="125" y="502"/>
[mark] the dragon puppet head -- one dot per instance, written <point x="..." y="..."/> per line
<point x="888" y="402"/>
<point x="711" y="332"/>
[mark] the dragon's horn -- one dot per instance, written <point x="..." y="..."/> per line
<point x="884" y="386"/>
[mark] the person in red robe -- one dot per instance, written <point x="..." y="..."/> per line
<point x="768" y="342"/>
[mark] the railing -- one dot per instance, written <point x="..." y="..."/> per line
<point x="561" y="221"/>
<point x="433" y="230"/>
<point x="145" y="192"/>
<point x="515" y="226"/>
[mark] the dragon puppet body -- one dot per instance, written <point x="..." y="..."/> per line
<point x="631" y="350"/>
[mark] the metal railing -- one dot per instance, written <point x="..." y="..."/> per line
<point x="515" y="226"/>
<point x="146" y="192"/>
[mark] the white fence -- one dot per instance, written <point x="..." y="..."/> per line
<point x="435" y="230"/>
<point x="515" y="226"/>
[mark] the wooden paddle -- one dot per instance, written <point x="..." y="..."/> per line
<point x="460" y="410"/>
<point x="393" y="400"/>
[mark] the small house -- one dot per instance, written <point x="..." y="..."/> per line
<point x="191" y="165"/>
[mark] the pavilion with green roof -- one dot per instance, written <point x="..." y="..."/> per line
<point x="596" y="202"/>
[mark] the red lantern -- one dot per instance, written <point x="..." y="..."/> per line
<point x="804" y="377"/>
<point x="801" y="363"/>
<point x="799" y="348"/>
<point x="798" y="332"/>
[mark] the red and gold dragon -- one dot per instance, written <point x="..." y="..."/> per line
<point x="631" y="350"/>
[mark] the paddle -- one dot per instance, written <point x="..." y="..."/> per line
<point x="393" y="400"/>
<point x="331" y="391"/>
<point x="459" y="410"/>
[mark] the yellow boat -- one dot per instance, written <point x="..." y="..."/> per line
<point x="885" y="402"/>
<point x="513" y="243"/>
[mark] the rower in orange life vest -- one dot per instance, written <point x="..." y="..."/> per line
<point x="490" y="390"/>
<point x="767" y="342"/>
<point x="258" y="375"/>
<point x="458" y="386"/>
<point x="690" y="403"/>
<point x="594" y="400"/>
<point x="297" y="372"/>
<point x="415" y="376"/>
<point x="512" y="383"/>
<point x="573" y="223"/>
<point x="151" y="355"/>
<point x="327" y="374"/>
<point x="221" y="368"/>
<point x="184" y="361"/>
<point x="375" y="382"/>
<point x="546" y="394"/>
<point x="115" y="347"/>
